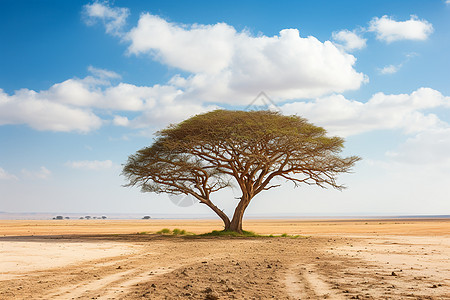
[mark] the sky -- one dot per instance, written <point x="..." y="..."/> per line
<point x="83" y="85"/>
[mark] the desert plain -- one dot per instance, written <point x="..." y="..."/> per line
<point x="323" y="259"/>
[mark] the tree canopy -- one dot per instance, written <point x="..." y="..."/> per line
<point x="249" y="149"/>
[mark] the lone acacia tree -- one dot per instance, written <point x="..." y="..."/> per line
<point x="211" y="151"/>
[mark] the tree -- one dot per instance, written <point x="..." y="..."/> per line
<point x="250" y="149"/>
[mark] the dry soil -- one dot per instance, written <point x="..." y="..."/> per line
<point x="332" y="259"/>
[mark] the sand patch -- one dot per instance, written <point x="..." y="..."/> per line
<point x="22" y="257"/>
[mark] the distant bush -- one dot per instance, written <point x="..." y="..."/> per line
<point x="146" y="217"/>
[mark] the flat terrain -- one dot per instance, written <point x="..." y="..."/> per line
<point x="332" y="259"/>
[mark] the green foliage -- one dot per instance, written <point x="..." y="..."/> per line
<point x="285" y="235"/>
<point x="177" y="231"/>
<point x="164" y="231"/>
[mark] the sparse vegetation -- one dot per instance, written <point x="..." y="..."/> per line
<point x="231" y="233"/>
<point x="246" y="234"/>
<point x="218" y="233"/>
<point x="164" y="231"/>
<point x="176" y="231"/>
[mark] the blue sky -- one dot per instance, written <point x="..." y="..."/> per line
<point x="85" y="84"/>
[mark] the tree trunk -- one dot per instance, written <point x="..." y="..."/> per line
<point x="220" y="213"/>
<point x="223" y="216"/>
<point x="236" y="222"/>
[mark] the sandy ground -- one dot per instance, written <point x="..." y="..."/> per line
<point x="334" y="259"/>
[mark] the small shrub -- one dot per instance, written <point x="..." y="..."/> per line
<point x="293" y="236"/>
<point x="177" y="231"/>
<point x="164" y="231"/>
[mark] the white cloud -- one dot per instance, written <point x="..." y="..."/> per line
<point x="391" y="69"/>
<point x="90" y="164"/>
<point x="389" y="30"/>
<point x="347" y="117"/>
<point x="226" y="65"/>
<point x="198" y="48"/>
<point x="114" y="18"/>
<point x="69" y="105"/>
<point x="4" y="175"/>
<point x="121" y="121"/>
<point x="168" y="113"/>
<point x="102" y="73"/>
<point x="29" y="107"/>
<point x="238" y="65"/>
<point x="349" y="40"/>
<point x="428" y="148"/>
<point x="42" y="173"/>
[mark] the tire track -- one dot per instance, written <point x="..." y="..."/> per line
<point x="119" y="283"/>
<point x="78" y="290"/>
<point x="304" y="282"/>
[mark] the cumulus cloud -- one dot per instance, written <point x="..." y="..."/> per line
<point x="4" y="175"/>
<point x="389" y="30"/>
<point x="349" y="40"/>
<point x="238" y="65"/>
<point x="198" y="48"/>
<point x="90" y="164"/>
<point x="29" y="107"/>
<point x="72" y="104"/>
<point x="113" y="18"/>
<point x="227" y="65"/>
<point x="348" y="117"/>
<point x="224" y="67"/>
<point x="42" y="173"/>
